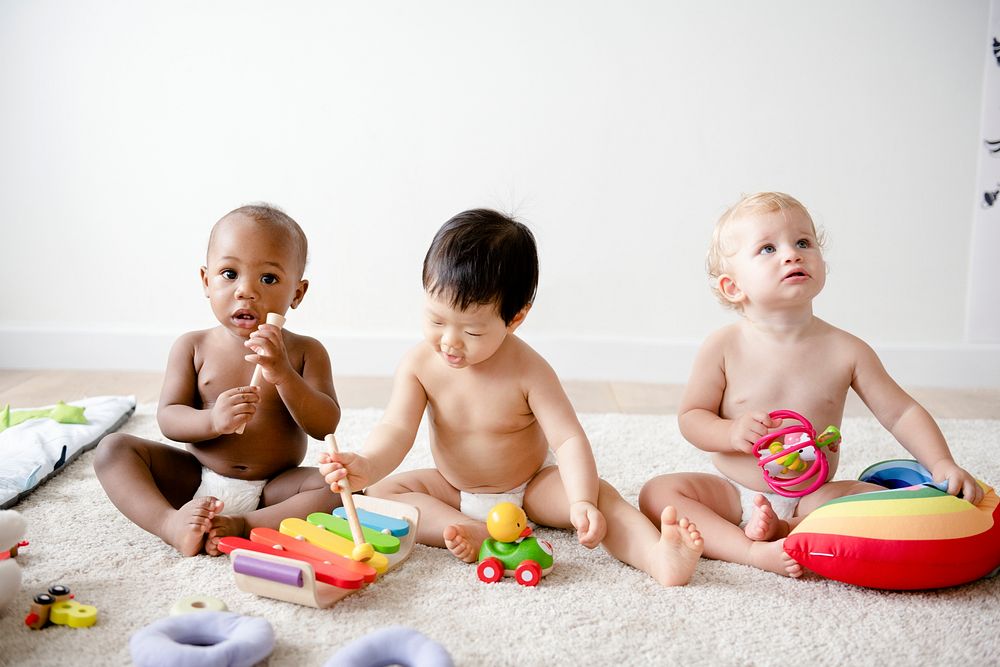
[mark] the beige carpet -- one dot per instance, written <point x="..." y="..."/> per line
<point x="590" y="610"/>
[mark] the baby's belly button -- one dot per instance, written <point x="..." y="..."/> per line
<point x="240" y="472"/>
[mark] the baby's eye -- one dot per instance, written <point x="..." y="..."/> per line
<point x="269" y="279"/>
<point x="228" y="274"/>
<point x="766" y="249"/>
<point x="803" y="243"/>
<point x="477" y="335"/>
<point x="436" y="323"/>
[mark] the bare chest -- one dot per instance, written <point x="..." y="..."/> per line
<point x="473" y="406"/>
<point x="812" y="381"/>
<point x="222" y="368"/>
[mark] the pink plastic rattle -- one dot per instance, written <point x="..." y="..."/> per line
<point x="773" y="448"/>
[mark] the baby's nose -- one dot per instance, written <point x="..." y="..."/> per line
<point x="449" y="340"/>
<point x="245" y="289"/>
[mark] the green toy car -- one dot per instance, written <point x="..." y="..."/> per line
<point x="512" y="551"/>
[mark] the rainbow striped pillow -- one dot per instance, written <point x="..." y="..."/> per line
<point x="911" y="536"/>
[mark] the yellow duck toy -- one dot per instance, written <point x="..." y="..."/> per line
<point x="506" y="522"/>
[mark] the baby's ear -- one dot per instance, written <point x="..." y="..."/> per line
<point x="729" y="289"/>
<point x="300" y="292"/>
<point x="518" y="319"/>
<point x="204" y="279"/>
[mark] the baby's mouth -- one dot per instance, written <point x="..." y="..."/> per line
<point x="245" y="319"/>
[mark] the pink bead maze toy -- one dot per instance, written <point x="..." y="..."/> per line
<point x="793" y="455"/>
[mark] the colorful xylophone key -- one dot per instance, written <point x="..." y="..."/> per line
<point x="271" y="537"/>
<point x="379" y="522"/>
<point x="326" y="540"/>
<point x="327" y="572"/>
<point x="382" y="543"/>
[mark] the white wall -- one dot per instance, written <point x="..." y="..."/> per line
<point x="983" y="311"/>
<point x="618" y="131"/>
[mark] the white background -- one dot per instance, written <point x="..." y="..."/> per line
<point x="617" y="130"/>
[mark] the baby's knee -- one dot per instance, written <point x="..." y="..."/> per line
<point x="386" y="489"/>
<point x="658" y="492"/>
<point x="853" y="487"/>
<point x="110" y="448"/>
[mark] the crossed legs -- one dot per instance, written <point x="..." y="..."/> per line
<point x="153" y="485"/>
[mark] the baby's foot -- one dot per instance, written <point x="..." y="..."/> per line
<point x="678" y="550"/>
<point x="463" y="540"/>
<point x="764" y="525"/>
<point x="223" y="525"/>
<point x="771" y="556"/>
<point x="185" y="528"/>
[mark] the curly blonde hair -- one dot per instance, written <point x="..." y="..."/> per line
<point x="719" y="250"/>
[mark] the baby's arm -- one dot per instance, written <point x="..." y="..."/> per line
<point x="388" y="442"/>
<point x="698" y="414"/>
<point x="577" y="468"/>
<point x="310" y="397"/>
<point x="179" y="414"/>
<point x="909" y="422"/>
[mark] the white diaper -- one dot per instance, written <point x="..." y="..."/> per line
<point x="784" y="508"/>
<point x="478" y="505"/>
<point x="238" y="495"/>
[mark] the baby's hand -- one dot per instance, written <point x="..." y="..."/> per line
<point x="335" y="467"/>
<point x="268" y="345"/>
<point x="748" y="428"/>
<point x="958" y="480"/>
<point x="234" y="408"/>
<point x="589" y="523"/>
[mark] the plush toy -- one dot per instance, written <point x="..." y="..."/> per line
<point x="12" y="526"/>
<point x="911" y="536"/>
<point x="60" y="412"/>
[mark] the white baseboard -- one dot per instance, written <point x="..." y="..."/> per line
<point x="573" y="358"/>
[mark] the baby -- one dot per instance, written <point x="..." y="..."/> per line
<point x="225" y="483"/>
<point x="766" y="262"/>
<point x="496" y="414"/>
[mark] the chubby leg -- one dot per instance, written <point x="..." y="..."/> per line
<point x="670" y="554"/>
<point x="152" y="483"/>
<point x="830" y="491"/>
<point x="296" y="492"/>
<point x="713" y="503"/>
<point x="442" y="524"/>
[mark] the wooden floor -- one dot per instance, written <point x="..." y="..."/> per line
<point x="33" y="388"/>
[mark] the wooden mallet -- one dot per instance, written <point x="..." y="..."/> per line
<point x="362" y="550"/>
<point x="258" y="373"/>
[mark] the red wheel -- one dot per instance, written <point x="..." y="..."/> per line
<point x="528" y="573"/>
<point x="490" y="570"/>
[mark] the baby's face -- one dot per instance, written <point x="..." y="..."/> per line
<point x="463" y="338"/>
<point x="251" y="271"/>
<point x="777" y="259"/>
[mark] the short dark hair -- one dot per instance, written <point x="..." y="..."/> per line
<point x="483" y="257"/>
<point x="269" y="214"/>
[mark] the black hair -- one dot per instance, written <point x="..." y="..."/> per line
<point x="269" y="214"/>
<point x="483" y="257"/>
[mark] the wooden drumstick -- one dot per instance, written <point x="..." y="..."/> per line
<point x="362" y="550"/>
<point x="258" y="373"/>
